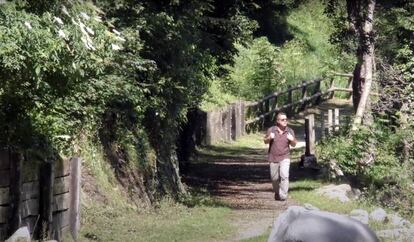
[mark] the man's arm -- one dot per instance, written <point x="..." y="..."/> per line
<point x="291" y="137"/>
<point x="267" y="137"/>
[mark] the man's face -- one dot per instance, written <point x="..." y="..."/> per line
<point x="282" y="120"/>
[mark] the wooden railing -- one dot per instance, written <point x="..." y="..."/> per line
<point x="269" y="105"/>
<point x="261" y="113"/>
<point x="231" y="122"/>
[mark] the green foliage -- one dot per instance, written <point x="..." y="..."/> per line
<point x="350" y="150"/>
<point x="216" y="96"/>
<point x="255" y="71"/>
<point x="387" y="174"/>
<point x="261" y="68"/>
<point x="313" y="55"/>
<point x="58" y="71"/>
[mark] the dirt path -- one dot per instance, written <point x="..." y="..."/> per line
<point x="240" y="178"/>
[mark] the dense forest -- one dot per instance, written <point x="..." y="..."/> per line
<point x="112" y="82"/>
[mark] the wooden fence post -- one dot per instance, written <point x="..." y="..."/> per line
<point x="309" y="159"/>
<point x="331" y="86"/>
<point x="16" y="179"/>
<point x="330" y="124"/>
<point x="234" y="122"/>
<point x="209" y="128"/>
<point x="318" y="100"/>
<point x="310" y="134"/>
<point x="289" y="101"/>
<point x="350" y="86"/>
<point x="242" y="118"/>
<point x="322" y="125"/>
<point x="336" y="120"/>
<point x="46" y="179"/>
<point x="74" y="207"/>
<point x="228" y="112"/>
<point x="304" y="88"/>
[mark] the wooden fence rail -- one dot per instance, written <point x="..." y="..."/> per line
<point x="310" y="93"/>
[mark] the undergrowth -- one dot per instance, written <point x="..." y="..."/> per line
<point x="387" y="178"/>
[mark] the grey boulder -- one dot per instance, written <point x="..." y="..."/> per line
<point x="300" y="224"/>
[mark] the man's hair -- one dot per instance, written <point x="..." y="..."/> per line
<point x="280" y="114"/>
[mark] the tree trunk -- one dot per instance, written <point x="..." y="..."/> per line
<point x="363" y="72"/>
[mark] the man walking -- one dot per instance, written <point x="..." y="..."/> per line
<point x="280" y="137"/>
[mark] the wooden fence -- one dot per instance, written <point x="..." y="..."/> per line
<point x="233" y="121"/>
<point x="44" y="196"/>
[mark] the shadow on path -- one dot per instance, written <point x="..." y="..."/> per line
<point x="240" y="177"/>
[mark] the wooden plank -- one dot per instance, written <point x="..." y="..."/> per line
<point x="330" y="123"/>
<point x="322" y="125"/>
<point x="227" y="124"/>
<point x="75" y="188"/>
<point x="310" y="134"/>
<point x="61" y="218"/>
<point x="61" y="185"/>
<point x="61" y="167"/>
<point x="3" y="232"/>
<point x="331" y="87"/>
<point x="243" y="118"/>
<point x="30" y="190"/>
<point x="336" y="119"/>
<point x="61" y="202"/>
<point x="31" y="169"/>
<point x="342" y="74"/>
<point x="4" y="214"/>
<point x="46" y="199"/>
<point x="4" y="178"/>
<point x="4" y="195"/>
<point x="4" y="159"/>
<point x="209" y="129"/>
<point x="30" y="207"/>
<point x="335" y="89"/>
<point x="16" y="166"/>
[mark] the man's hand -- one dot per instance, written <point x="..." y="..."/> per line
<point x="290" y="137"/>
<point x="269" y="137"/>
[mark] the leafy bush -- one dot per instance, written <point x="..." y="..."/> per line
<point x="387" y="178"/>
<point x="58" y="72"/>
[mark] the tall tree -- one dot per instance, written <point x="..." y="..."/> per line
<point x="361" y="17"/>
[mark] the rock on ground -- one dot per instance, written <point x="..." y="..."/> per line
<point x="336" y="191"/>
<point x="301" y="224"/>
<point x="378" y="215"/>
<point x="360" y="215"/>
<point x="21" y="235"/>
